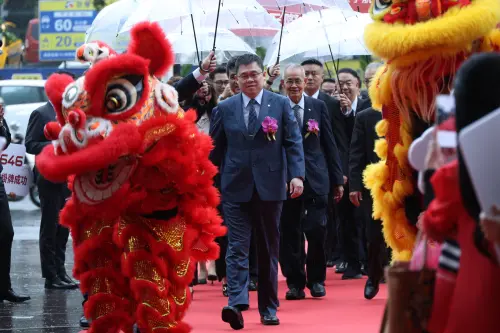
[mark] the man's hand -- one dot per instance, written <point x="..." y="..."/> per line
<point x="338" y="193"/>
<point x="296" y="188"/>
<point x="273" y="72"/>
<point x="345" y="102"/>
<point x="345" y="180"/>
<point x="227" y="92"/>
<point x="355" y="198"/>
<point x="490" y="225"/>
<point x="209" y="63"/>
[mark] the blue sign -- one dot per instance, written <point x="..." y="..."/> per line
<point x="63" y="24"/>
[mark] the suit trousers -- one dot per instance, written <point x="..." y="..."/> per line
<point x="240" y="218"/>
<point x="6" y="239"/>
<point x="53" y="236"/>
<point x="220" y="263"/>
<point x="350" y="222"/>
<point x="333" y="245"/>
<point x="378" y="255"/>
<point x="303" y="217"/>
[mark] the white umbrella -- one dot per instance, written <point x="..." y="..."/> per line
<point x="342" y="4"/>
<point x="227" y="43"/>
<point x="110" y="20"/>
<point x="343" y="35"/>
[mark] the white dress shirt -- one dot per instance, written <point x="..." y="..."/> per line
<point x="354" y="106"/>
<point x="315" y="95"/>
<point x="246" y="109"/>
<point x="301" y="110"/>
<point x="198" y="76"/>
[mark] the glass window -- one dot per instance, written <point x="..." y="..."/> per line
<point x="22" y="95"/>
<point x="34" y="31"/>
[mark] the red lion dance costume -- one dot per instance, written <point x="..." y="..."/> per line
<point x="143" y="208"/>
<point x="423" y="42"/>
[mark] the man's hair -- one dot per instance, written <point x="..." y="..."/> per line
<point x="248" y="59"/>
<point x="231" y="65"/>
<point x="174" y="79"/>
<point x="373" y="66"/>
<point x="312" y="62"/>
<point x="221" y="69"/>
<point x="292" y="67"/>
<point x="352" y="72"/>
<point x="330" y="80"/>
<point x="73" y="76"/>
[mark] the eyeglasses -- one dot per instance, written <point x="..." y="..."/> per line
<point x="291" y="82"/>
<point x="221" y="82"/>
<point x="253" y="76"/>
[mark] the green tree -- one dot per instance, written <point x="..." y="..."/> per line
<point x="261" y="52"/>
<point x="185" y="70"/>
<point x="100" y="4"/>
<point x="364" y="61"/>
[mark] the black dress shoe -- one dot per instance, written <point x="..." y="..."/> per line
<point x="252" y="286"/>
<point x="295" y="294"/>
<point x="269" y="320"/>
<point x="68" y="280"/>
<point x="318" y="290"/>
<point x="233" y="317"/>
<point x="224" y="290"/>
<point x="57" y="284"/>
<point x="371" y="289"/>
<point x="351" y="274"/>
<point x="84" y="323"/>
<point x="341" y="268"/>
<point x="11" y="296"/>
<point x="330" y="263"/>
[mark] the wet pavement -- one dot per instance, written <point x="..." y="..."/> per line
<point x="48" y="311"/>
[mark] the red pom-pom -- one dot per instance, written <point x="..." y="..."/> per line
<point x="52" y="130"/>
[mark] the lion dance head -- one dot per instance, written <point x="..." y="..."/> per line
<point x="143" y="205"/>
<point x="423" y="43"/>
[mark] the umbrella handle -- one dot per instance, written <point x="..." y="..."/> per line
<point x="216" y="25"/>
<point x="281" y="33"/>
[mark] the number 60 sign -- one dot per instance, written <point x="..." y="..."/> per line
<point x="16" y="176"/>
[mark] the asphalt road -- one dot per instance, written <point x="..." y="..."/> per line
<point x="48" y="311"/>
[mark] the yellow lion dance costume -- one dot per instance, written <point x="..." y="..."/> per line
<point x="423" y="43"/>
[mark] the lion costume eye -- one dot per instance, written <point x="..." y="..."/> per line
<point x="123" y="93"/>
<point x="380" y="8"/>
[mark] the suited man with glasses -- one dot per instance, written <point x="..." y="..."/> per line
<point x="255" y="168"/>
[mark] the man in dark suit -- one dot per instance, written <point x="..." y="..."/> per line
<point x="53" y="236"/>
<point x="351" y="225"/>
<point x="361" y="155"/>
<point x="307" y="214"/>
<point x="256" y="161"/>
<point x="6" y="229"/>
<point x="314" y="75"/>
<point x="188" y="85"/>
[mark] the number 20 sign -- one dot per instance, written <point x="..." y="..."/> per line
<point x="16" y="176"/>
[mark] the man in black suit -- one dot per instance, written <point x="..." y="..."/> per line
<point x="53" y="236"/>
<point x="351" y="225"/>
<point x="361" y="155"/>
<point x="314" y="75"/>
<point x="6" y="229"/>
<point x="307" y="214"/>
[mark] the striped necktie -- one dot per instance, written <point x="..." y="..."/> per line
<point x="252" y="116"/>
<point x="296" y="112"/>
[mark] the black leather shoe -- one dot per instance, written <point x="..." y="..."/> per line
<point x="11" y="296"/>
<point x="351" y="273"/>
<point x="233" y="317"/>
<point x="295" y="294"/>
<point x="371" y="289"/>
<point x="330" y="263"/>
<point x="84" y="323"/>
<point x="68" y="280"/>
<point x="252" y="286"/>
<point x="269" y="320"/>
<point x="57" y="284"/>
<point x="341" y="267"/>
<point x="318" y="290"/>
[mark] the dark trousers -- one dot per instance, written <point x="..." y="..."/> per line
<point x="53" y="236"/>
<point x="240" y="218"/>
<point x="350" y="222"/>
<point x="6" y="238"/>
<point x="378" y="255"/>
<point x="253" y="258"/>
<point x="303" y="216"/>
<point x="333" y="245"/>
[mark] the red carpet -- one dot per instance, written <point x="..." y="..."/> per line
<point x="344" y="309"/>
